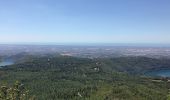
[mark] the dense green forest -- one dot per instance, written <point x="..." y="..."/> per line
<point x="71" y="78"/>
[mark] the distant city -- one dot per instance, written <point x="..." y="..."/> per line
<point x="88" y="51"/>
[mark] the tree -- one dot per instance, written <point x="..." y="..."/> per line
<point x="16" y="92"/>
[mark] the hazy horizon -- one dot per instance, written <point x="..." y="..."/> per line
<point x="93" y="44"/>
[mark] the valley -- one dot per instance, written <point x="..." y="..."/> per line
<point x="89" y="74"/>
<point x="65" y="77"/>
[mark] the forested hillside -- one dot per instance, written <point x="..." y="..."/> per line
<point x="70" y="78"/>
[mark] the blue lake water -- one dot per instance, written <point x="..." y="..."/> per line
<point x="162" y="73"/>
<point x="6" y="62"/>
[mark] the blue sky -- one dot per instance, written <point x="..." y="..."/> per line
<point x="85" y="21"/>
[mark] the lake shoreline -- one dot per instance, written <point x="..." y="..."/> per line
<point x="6" y="63"/>
<point x="162" y="72"/>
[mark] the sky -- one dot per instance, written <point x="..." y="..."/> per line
<point x="85" y="21"/>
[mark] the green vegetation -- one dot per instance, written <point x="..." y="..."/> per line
<point x="16" y="92"/>
<point x="69" y="78"/>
